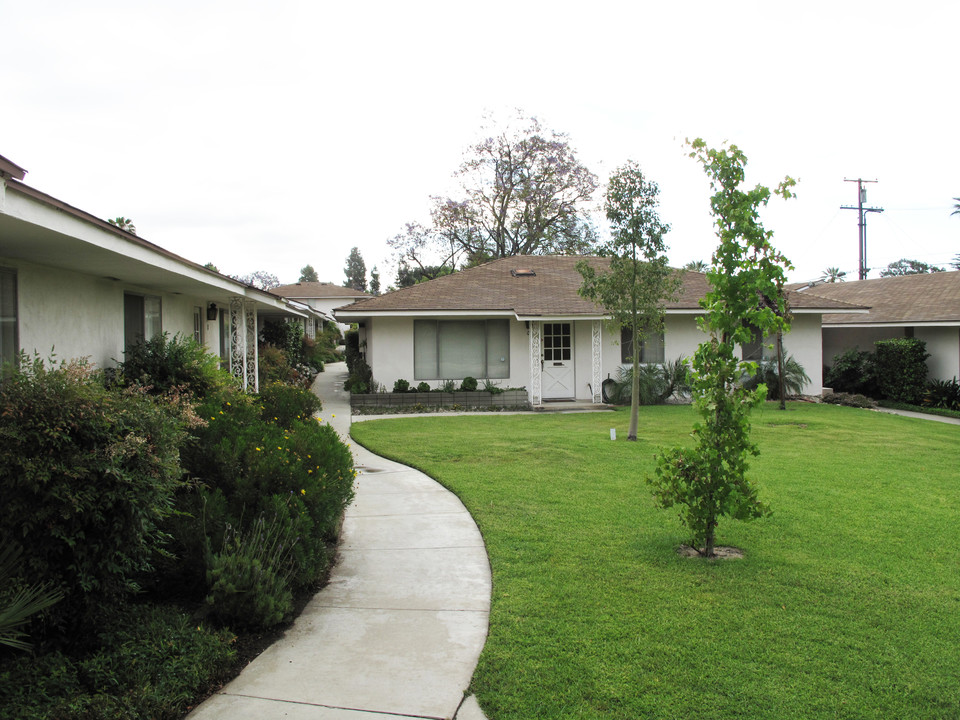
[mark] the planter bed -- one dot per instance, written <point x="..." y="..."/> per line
<point x="479" y="398"/>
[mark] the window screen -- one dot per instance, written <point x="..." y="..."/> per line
<point x="652" y="347"/>
<point x="8" y="316"/>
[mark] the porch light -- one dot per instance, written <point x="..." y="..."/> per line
<point x="212" y="311"/>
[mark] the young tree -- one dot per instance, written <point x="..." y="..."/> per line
<point x="638" y="282"/>
<point x="374" y="281"/>
<point x="746" y="297"/>
<point x="524" y="191"/>
<point x="909" y="267"/>
<point x="356" y="271"/>
<point x="308" y="274"/>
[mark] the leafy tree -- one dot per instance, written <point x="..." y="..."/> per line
<point x="955" y="263"/>
<point x="374" y="281"/>
<point x="308" y="274"/>
<point x="709" y="480"/>
<point x="639" y="281"/>
<point x="211" y="266"/>
<point x="523" y="192"/>
<point x="909" y="267"/>
<point x="833" y="275"/>
<point x="356" y="271"/>
<point x="407" y="276"/>
<point x="697" y="266"/>
<point x="260" y="279"/>
<point x="124" y="223"/>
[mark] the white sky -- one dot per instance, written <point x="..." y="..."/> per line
<point x="265" y="136"/>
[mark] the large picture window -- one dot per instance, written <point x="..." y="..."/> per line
<point x="455" y="349"/>
<point x="9" y="342"/>
<point x="651" y="347"/>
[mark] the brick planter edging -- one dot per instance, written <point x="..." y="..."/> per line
<point x="479" y="398"/>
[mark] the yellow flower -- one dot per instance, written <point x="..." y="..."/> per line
<point x="302" y="491"/>
<point x="257" y="449"/>
<point x="228" y="404"/>
<point x="309" y="472"/>
<point x="279" y="448"/>
<point x="333" y="416"/>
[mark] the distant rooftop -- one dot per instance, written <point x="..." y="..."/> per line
<point x="318" y="290"/>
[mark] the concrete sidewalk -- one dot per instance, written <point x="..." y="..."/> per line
<point x="399" y="628"/>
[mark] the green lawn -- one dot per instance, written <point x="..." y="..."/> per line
<point x="846" y="605"/>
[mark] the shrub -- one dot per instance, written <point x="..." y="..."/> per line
<point x="657" y="382"/>
<point x="849" y="399"/>
<point x="423" y="387"/>
<point x="401" y="386"/>
<point x="853" y="371"/>
<point x="469" y="384"/>
<point x="273" y="365"/>
<point x="250" y="577"/>
<point x="283" y="403"/>
<point x="943" y="394"/>
<point x="448" y="386"/>
<point x="285" y="336"/>
<point x="491" y="387"/>
<point x="795" y="378"/>
<point x="150" y="664"/>
<point x="902" y="369"/>
<point x="163" y="363"/>
<point x="88" y="475"/>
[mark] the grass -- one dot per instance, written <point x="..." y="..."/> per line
<point x="846" y="605"/>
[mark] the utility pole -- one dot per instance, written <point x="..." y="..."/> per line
<point x="862" y="212"/>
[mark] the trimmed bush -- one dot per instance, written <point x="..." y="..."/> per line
<point x="423" y="387"/>
<point x="902" y="369"/>
<point x="469" y="384"/>
<point x="88" y="475"/>
<point x="401" y="386"/>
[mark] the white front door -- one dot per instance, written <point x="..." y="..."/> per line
<point x="558" y="375"/>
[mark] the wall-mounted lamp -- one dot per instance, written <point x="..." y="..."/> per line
<point x="212" y="311"/>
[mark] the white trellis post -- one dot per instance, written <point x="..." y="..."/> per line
<point x="252" y="381"/>
<point x="597" y="363"/>
<point x="536" y="365"/>
<point x="238" y="341"/>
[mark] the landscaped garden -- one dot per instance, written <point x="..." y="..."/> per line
<point x="846" y="603"/>
<point x="169" y="522"/>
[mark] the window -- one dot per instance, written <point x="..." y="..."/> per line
<point x="141" y="318"/>
<point x="757" y="350"/>
<point x="9" y="342"/>
<point x="198" y="324"/>
<point x="556" y="342"/>
<point x="448" y="349"/>
<point x="651" y="347"/>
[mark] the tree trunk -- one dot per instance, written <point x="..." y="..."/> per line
<point x="634" y="397"/>
<point x="783" y="401"/>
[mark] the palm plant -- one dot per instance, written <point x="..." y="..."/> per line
<point x="833" y="274"/>
<point x="16" y="607"/>
<point x="795" y="378"/>
<point x="696" y="266"/>
<point x="124" y="223"/>
<point x="956" y="207"/>
<point x="658" y="382"/>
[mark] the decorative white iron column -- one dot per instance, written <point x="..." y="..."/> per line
<point x="252" y="381"/>
<point x="311" y="328"/>
<point x="238" y="341"/>
<point x="536" y="362"/>
<point x="597" y="363"/>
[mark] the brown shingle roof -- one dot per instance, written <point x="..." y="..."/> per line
<point x="551" y="292"/>
<point x="905" y="299"/>
<point x="317" y="290"/>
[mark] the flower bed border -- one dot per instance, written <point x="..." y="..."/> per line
<point x="478" y="398"/>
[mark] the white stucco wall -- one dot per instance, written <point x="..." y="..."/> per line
<point x="943" y="344"/>
<point x="804" y="343"/>
<point x="82" y="316"/>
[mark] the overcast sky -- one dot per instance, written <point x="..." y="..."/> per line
<point x="265" y="136"/>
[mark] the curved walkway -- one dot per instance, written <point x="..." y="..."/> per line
<point x="400" y="626"/>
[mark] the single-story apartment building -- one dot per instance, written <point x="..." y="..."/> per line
<point x="323" y="297"/>
<point x="925" y="306"/>
<point x="75" y="286"/>
<point x="521" y="321"/>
